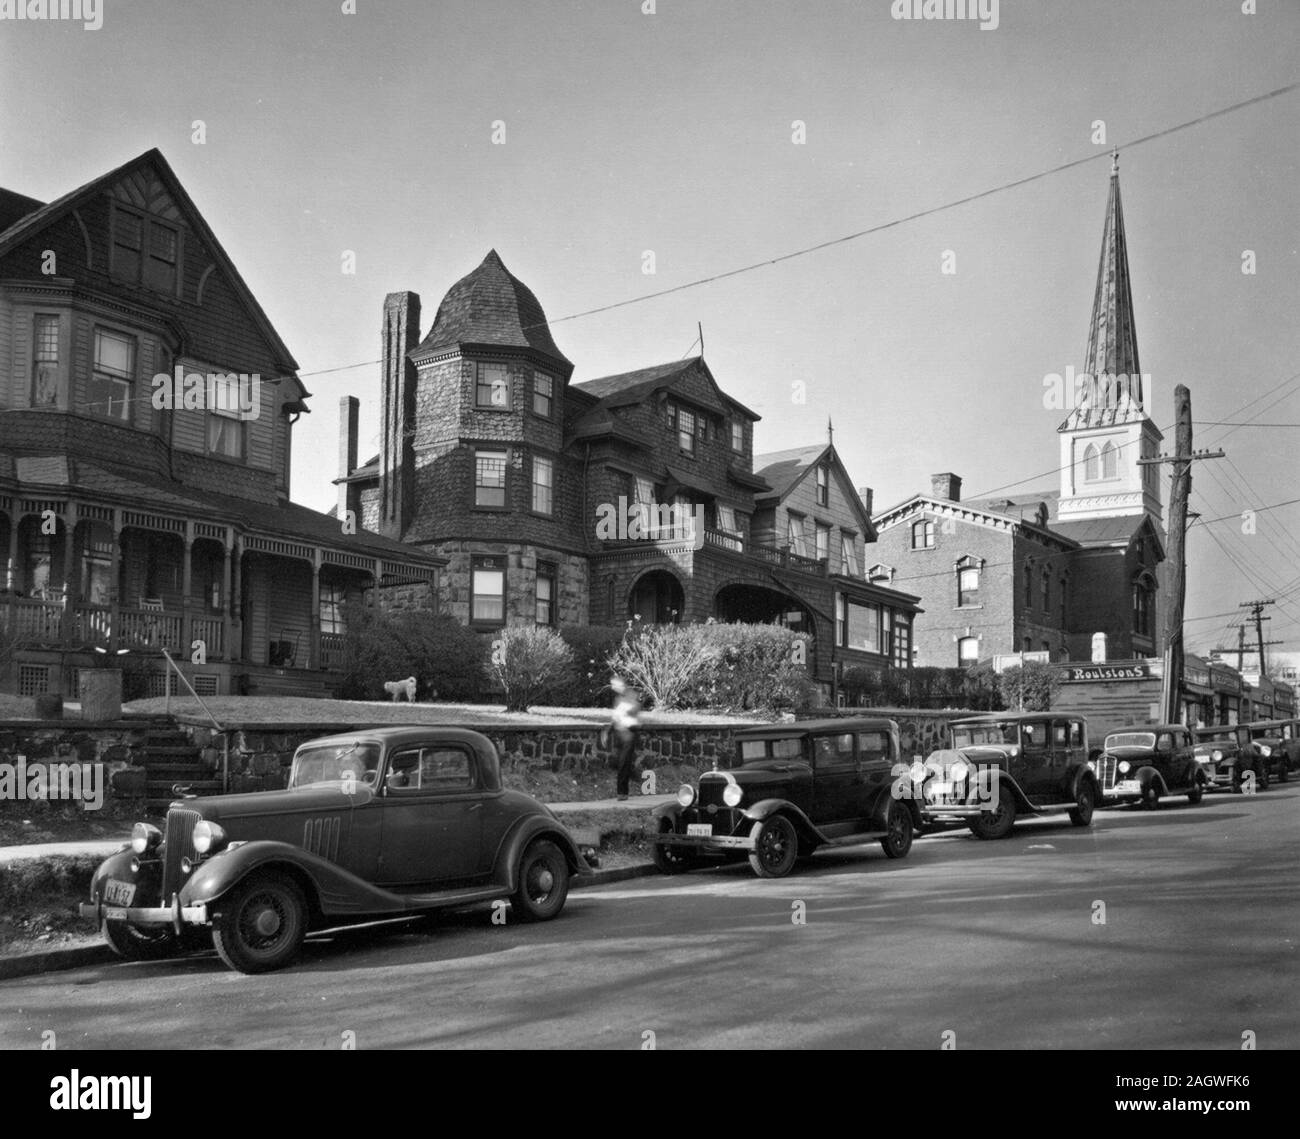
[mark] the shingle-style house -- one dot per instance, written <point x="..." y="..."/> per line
<point x="1045" y="573"/>
<point x="129" y="525"/>
<point x="576" y="503"/>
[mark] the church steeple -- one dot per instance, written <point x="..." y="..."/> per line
<point x="1114" y="390"/>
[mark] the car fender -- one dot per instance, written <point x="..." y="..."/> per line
<point x="118" y="867"/>
<point x="803" y="825"/>
<point x="1149" y="775"/>
<point x="1084" y="772"/>
<point x="1007" y="782"/>
<point x="667" y="811"/>
<point x="523" y="832"/>
<point x="910" y="803"/>
<point x="331" y="889"/>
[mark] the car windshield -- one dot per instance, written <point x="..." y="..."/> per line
<point x="751" y="750"/>
<point x="335" y="763"/>
<point x="999" y="734"/>
<point x="1264" y="733"/>
<point x="1131" y="739"/>
<point x="1216" y="737"/>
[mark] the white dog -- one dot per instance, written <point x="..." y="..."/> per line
<point x="396" y="687"/>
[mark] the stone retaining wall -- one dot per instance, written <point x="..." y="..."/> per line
<point x="118" y="747"/>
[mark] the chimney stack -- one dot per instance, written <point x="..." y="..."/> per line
<point x="397" y="426"/>
<point x="866" y="494"/>
<point x="946" y="486"/>
<point x="349" y="406"/>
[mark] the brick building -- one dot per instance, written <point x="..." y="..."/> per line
<point x="577" y="503"/>
<point x="1044" y="573"/>
<point x="129" y="525"/>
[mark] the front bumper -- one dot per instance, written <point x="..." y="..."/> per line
<point x="176" y="915"/>
<point x="1126" y="790"/>
<point x="706" y="843"/>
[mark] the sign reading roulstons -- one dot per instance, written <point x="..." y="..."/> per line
<point x="1108" y="672"/>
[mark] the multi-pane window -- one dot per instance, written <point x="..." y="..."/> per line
<point x="45" y="361"/>
<point x="543" y="394"/>
<point x="686" y="427"/>
<point x="823" y="538"/>
<point x="902" y="640"/>
<point x="332" y="597"/>
<point x="545" y="593"/>
<point x="543" y="484"/>
<point x="848" y="553"/>
<point x="823" y="484"/>
<point x="1141" y="609"/>
<point x="113" y="374"/>
<point x="145" y="250"/>
<point x="923" y="535"/>
<point x="643" y="494"/>
<point x="794" y="535"/>
<point x="728" y="525"/>
<point x="861" y="627"/>
<point x="737" y="435"/>
<point x="487" y="590"/>
<point x="492" y="386"/>
<point x="490" y="478"/>
<point x="968" y="584"/>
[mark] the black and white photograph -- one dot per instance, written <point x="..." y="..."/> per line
<point x="713" y="525"/>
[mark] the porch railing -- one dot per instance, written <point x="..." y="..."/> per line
<point x="781" y="558"/>
<point x="149" y="628"/>
<point x="36" y="620"/>
<point x="212" y="632"/>
<point x="331" y="650"/>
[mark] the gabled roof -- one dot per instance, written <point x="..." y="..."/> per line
<point x="1095" y="533"/>
<point x="981" y="512"/>
<point x="36" y="220"/>
<point x="627" y="388"/>
<point x="785" y="470"/>
<point x="15" y="206"/>
<point x="491" y="308"/>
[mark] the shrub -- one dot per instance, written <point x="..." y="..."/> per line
<point x="1036" y="682"/>
<point x="445" y="658"/>
<point x="921" y="687"/>
<point x="528" y="663"/>
<point x="666" y="662"/>
<point x="586" y="684"/>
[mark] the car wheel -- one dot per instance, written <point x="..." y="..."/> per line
<point x="140" y="943"/>
<point x="776" y="847"/>
<point x="260" y="924"/>
<point x="998" y="822"/>
<point x="543" y="883"/>
<point x="1262" y="776"/>
<point x="669" y="859"/>
<point x="1151" y="796"/>
<point x="898" y="827"/>
<point x="1085" y="800"/>
<point x="1284" y="773"/>
<point x="1197" y="793"/>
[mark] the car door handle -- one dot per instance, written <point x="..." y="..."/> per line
<point x="476" y="806"/>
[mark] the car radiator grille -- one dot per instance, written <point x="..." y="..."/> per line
<point x="1107" y="771"/>
<point x="179" y="838"/>
<point x="711" y="792"/>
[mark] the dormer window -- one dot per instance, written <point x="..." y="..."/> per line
<point x="823" y="484"/>
<point x="492" y="386"/>
<point x="686" y="428"/>
<point x="145" y="250"/>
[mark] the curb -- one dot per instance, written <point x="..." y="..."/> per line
<point x="58" y="960"/>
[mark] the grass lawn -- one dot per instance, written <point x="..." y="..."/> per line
<point x="295" y="711"/>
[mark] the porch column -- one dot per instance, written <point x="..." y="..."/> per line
<point x="115" y="583"/>
<point x="236" y="600"/>
<point x="315" y="608"/>
<point x="71" y="579"/>
<point x="227" y="643"/>
<point x="187" y="580"/>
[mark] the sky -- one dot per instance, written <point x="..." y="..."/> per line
<point x="674" y="131"/>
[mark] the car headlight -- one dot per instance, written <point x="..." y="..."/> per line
<point x="1264" y="749"/>
<point x="958" y="771"/>
<point x="1125" y="767"/>
<point x="685" y="794"/>
<point x="919" y="772"/>
<point x="732" y="794"/>
<point x="145" y="838"/>
<point x="1216" y="756"/>
<point x="207" y="837"/>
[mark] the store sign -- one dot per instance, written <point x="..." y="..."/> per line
<point x="1108" y="672"/>
<point x="1194" y="675"/>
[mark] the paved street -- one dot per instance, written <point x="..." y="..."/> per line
<point x="995" y="942"/>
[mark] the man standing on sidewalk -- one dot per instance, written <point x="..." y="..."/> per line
<point x="625" y="731"/>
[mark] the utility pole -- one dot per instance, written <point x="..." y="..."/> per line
<point x="1257" y="611"/>
<point x="1181" y="491"/>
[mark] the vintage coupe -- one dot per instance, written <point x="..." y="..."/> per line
<point x="379" y="822"/>
<point x="1007" y="765"/>
<point x="1139" y="765"/>
<point x="1276" y="742"/>
<point x="1226" y="753"/>
<point x="790" y="789"/>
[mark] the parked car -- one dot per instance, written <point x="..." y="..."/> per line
<point x="1226" y="753"/>
<point x="1006" y="765"/>
<point x="790" y="789"/>
<point x="380" y="822"/>
<point x="1277" y="743"/>
<point x="1140" y="765"/>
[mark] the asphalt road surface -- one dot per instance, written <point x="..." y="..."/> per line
<point x="1001" y="943"/>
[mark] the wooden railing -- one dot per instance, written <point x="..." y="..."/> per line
<point x="35" y="620"/>
<point x="331" y="650"/>
<point x="212" y="632"/>
<point x="149" y="628"/>
<point x="783" y="559"/>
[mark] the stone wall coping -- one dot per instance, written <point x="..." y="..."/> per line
<point x="329" y="728"/>
<point x="73" y="724"/>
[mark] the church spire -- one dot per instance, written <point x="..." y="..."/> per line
<point x="1114" y="394"/>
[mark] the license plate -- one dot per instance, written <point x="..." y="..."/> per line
<point x="704" y="830"/>
<point x="113" y="914"/>
<point x="1127" y="786"/>
<point x="119" y="893"/>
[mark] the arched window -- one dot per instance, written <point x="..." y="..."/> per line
<point x="1109" y="461"/>
<point x="923" y="535"/>
<point x="968" y="580"/>
<point x="1061" y="600"/>
<point x="1144" y="592"/>
<point x="1090" y="469"/>
<point x="1029" y="584"/>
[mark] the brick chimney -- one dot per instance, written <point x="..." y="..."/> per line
<point x="867" y="495"/>
<point x="349" y="498"/>
<point x="401" y="333"/>
<point x="946" y="486"/>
